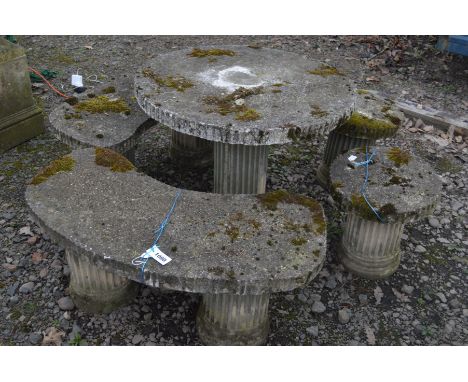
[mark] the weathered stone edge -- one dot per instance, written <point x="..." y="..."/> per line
<point x="217" y="133"/>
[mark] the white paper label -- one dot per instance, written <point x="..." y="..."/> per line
<point x="352" y="158"/>
<point x="157" y="254"/>
<point x="77" y="80"/>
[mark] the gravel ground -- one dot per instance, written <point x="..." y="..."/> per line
<point x="423" y="303"/>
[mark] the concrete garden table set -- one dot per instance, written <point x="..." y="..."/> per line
<point x="237" y="245"/>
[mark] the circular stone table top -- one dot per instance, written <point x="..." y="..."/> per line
<point x="241" y="95"/>
<point x="401" y="186"/>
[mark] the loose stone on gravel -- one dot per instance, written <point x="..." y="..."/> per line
<point x="408" y="289"/>
<point x="27" y="287"/>
<point x="420" y="249"/>
<point x="344" y="316"/>
<point x="137" y="338"/>
<point x="318" y="307"/>
<point x="66" y="303"/>
<point x="313" y="331"/>
<point x="434" y="222"/>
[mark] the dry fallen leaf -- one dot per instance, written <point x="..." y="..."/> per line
<point x="372" y="79"/>
<point x="53" y="336"/>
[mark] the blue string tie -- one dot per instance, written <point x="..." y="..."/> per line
<point x="364" y="185"/>
<point x="142" y="260"/>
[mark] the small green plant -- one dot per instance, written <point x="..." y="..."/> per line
<point x="76" y="341"/>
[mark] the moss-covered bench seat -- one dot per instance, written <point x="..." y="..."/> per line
<point x="104" y="117"/>
<point x="235" y="250"/>
<point x="401" y="187"/>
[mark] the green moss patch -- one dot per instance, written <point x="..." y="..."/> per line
<point x="115" y="161"/>
<point x="360" y="125"/>
<point x="103" y="104"/>
<point x="317" y="111"/>
<point x="398" y="156"/>
<point x="178" y="83"/>
<point x="297" y="241"/>
<point x="270" y="201"/>
<point x="359" y="205"/>
<point x="230" y="104"/>
<point x="108" y="90"/>
<point x="211" y="52"/>
<point x="325" y="71"/>
<point x="63" y="164"/>
<point x="72" y="116"/>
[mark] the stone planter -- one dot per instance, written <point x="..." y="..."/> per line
<point x="20" y="118"/>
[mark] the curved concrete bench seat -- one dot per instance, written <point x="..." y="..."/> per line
<point x="233" y="249"/>
<point x="107" y="119"/>
<point x="401" y="187"/>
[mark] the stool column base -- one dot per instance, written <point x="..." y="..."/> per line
<point x="227" y="319"/>
<point x="370" y="249"/>
<point x="96" y="290"/>
<point x="240" y="169"/>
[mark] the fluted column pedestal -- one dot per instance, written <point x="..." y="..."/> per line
<point x="337" y="144"/>
<point x="190" y="150"/>
<point x="96" y="290"/>
<point x="240" y="169"/>
<point x="228" y="319"/>
<point x="369" y="248"/>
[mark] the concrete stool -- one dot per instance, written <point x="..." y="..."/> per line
<point x="401" y="187"/>
<point x="101" y="118"/>
<point x="371" y="120"/>
<point x="20" y="118"/>
<point x="235" y="250"/>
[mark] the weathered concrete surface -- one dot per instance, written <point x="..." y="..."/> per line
<point x="400" y="192"/>
<point x="339" y="142"/>
<point x="415" y="197"/>
<point x="97" y="290"/>
<point x="218" y="243"/>
<point x="20" y="118"/>
<point x="116" y="131"/>
<point x="292" y="100"/>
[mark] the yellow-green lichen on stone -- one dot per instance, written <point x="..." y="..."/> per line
<point x="317" y="111"/>
<point x="108" y="90"/>
<point x="228" y="105"/>
<point x="178" y="83"/>
<point x="103" y="104"/>
<point x="297" y="241"/>
<point x="360" y="206"/>
<point x="115" y="161"/>
<point x="325" y="71"/>
<point x="271" y="199"/>
<point x="398" y="156"/>
<point x="63" y="164"/>
<point x="211" y="52"/>
<point x="360" y="125"/>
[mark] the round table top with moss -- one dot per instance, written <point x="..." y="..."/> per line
<point x="401" y="186"/>
<point x="243" y="95"/>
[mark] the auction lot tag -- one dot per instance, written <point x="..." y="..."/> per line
<point x="77" y="80"/>
<point x="157" y="254"/>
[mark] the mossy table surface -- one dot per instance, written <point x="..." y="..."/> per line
<point x="218" y="243"/>
<point x="242" y="95"/>
<point x="400" y="184"/>
<point x="116" y="126"/>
